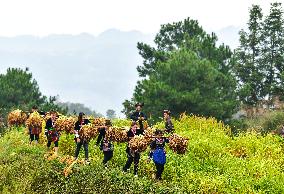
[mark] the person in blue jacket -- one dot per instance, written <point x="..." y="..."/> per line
<point x="158" y="153"/>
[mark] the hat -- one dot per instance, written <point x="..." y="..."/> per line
<point x="167" y="111"/>
<point x="133" y="123"/>
<point x="139" y="104"/>
<point x="108" y="122"/>
<point x="158" y="132"/>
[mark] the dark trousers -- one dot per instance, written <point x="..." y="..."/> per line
<point x="86" y="149"/>
<point x="160" y="169"/>
<point x="55" y="144"/>
<point x="132" y="158"/>
<point x="34" y="137"/>
<point x="107" y="156"/>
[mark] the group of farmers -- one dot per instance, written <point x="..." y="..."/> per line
<point x="157" y="152"/>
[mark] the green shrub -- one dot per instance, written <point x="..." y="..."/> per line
<point x="216" y="162"/>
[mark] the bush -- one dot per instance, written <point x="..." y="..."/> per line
<point x="273" y="120"/>
<point x="216" y="162"/>
<point x="238" y="125"/>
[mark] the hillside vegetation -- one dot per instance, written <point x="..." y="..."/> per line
<point x="216" y="162"/>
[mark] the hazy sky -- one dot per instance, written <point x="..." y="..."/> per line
<point x="43" y="17"/>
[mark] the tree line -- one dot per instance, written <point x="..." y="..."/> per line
<point x="18" y="89"/>
<point x="187" y="71"/>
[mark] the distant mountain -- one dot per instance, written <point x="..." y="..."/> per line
<point x="98" y="71"/>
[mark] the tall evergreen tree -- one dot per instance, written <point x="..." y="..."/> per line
<point x="185" y="71"/>
<point x="273" y="51"/>
<point x="18" y="89"/>
<point x="249" y="69"/>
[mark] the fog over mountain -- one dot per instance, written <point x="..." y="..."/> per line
<point x="98" y="71"/>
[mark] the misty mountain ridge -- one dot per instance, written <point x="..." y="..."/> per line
<point x="98" y="71"/>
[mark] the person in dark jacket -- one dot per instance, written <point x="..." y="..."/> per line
<point x="107" y="148"/>
<point x="132" y="156"/>
<point x="102" y="132"/>
<point x="34" y="135"/>
<point x="169" y="127"/>
<point x="139" y="117"/>
<point x="158" y="153"/>
<point x="52" y="134"/>
<point x="105" y="145"/>
<point x="80" y="141"/>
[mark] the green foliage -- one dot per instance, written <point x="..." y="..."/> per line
<point x="51" y="104"/>
<point x="270" y="121"/>
<point x="238" y="125"/>
<point x="185" y="72"/>
<point x="215" y="163"/>
<point x="273" y="121"/>
<point x="187" y="83"/>
<point x="249" y="69"/>
<point x="76" y="108"/>
<point x="18" y="89"/>
<point x="273" y="50"/>
<point x="260" y="57"/>
<point x="110" y="114"/>
<point x="129" y="106"/>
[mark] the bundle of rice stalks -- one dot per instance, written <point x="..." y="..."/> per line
<point x="17" y="117"/>
<point x="116" y="134"/>
<point x="60" y="123"/>
<point x="87" y="132"/>
<point x="145" y="124"/>
<point x="67" y="159"/>
<point x="98" y="121"/>
<point x="149" y="133"/>
<point x="66" y="124"/>
<point x="178" y="144"/>
<point x="138" y="143"/>
<point x="70" y="124"/>
<point x="34" y="120"/>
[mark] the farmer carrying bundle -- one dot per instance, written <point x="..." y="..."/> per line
<point x="34" y="124"/>
<point x="132" y="155"/>
<point x="52" y="132"/>
<point x="81" y="140"/>
<point x="139" y="117"/>
<point x="158" y="153"/>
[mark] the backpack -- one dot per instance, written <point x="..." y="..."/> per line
<point x="159" y="156"/>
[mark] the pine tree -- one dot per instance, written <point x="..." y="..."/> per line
<point x="273" y="51"/>
<point x="248" y="68"/>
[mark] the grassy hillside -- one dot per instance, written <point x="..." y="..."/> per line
<point x="216" y="162"/>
